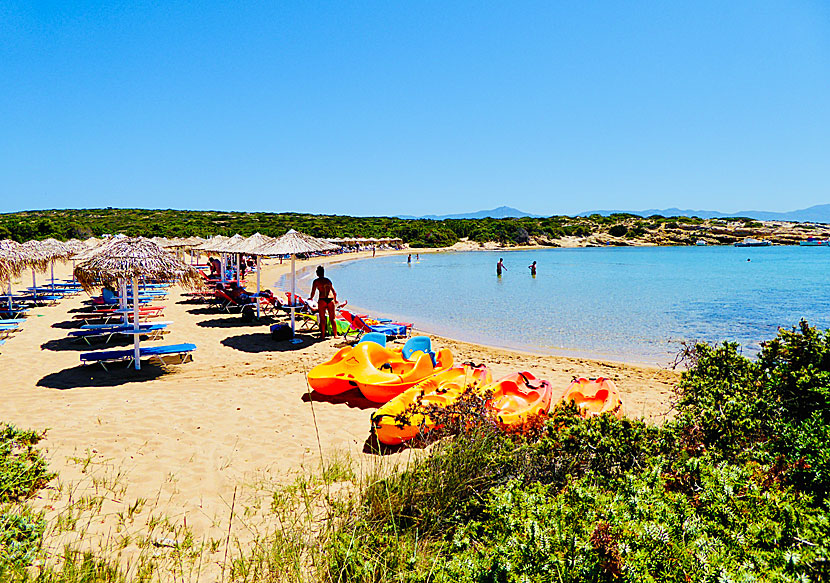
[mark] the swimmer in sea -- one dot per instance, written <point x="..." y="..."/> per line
<point x="532" y="268"/>
<point x="500" y="266"/>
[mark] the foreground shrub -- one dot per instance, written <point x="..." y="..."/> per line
<point x="733" y="489"/>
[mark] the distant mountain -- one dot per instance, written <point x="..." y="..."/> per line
<point x="819" y="213"/>
<point x="498" y="213"/>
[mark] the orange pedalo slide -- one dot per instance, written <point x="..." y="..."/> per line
<point x="518" y="397"/>
<point x="406" y="416"/>
<point x="337" y="375"/>
<point x="379" y="373"/>
<point x="595" y="397"/>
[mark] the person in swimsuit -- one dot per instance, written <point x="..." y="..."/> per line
<point x="326" y="301"/>
<point x="409" y="259"/>
<point x="500" y="266"/>
<point x="532" y="268"/>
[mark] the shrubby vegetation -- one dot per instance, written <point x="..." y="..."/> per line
<point x="82" y="223"/>
<point x="734" y="488"/>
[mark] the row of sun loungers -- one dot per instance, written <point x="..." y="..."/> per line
<point x="107" y="322"/>
<point x="101" y="323"/>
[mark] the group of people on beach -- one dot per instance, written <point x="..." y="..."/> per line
<point x="500" y="266"/>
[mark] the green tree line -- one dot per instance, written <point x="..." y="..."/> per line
<point x="83" y="223"/>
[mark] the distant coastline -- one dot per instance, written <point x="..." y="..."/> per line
<point x="462" y="234"/>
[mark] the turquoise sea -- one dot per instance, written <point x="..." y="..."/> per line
<point x="632" y="304"/>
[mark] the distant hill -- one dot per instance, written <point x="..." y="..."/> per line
<point x="498" y="213"/>
<point x="819" y="213"/>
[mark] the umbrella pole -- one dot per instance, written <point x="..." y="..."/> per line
<point x="222" y="273"/>
<point x="135" y="326"/>
<point x="52" y="268"/>
<point x="34" y="285"/>
<point x="122" y="300"/>
<point x="293" y="294"/>
<point x="257" y="287"/>
<point x="237" y="268"/>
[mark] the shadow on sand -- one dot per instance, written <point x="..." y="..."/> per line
<point x="95" y="376"/>
<point x="262" y="342"/>
<point x="78" y="345"/>
<point x="68" y="324"/>
<point x="352" y="398"/>
<point x="234" y="321"/>
<point x="375" y="447"/>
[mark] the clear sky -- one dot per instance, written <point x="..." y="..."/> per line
<point x="416" y="107"/>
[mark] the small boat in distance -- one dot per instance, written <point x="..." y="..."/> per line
<point x="751" y="242"/>
<point x="700" y="243"/>
<point x="814" y="242"/>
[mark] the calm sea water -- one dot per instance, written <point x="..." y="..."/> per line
<point x="623" y="303"/>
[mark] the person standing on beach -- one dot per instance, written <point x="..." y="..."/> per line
<point x="532" y="268"/>
<point x="500" y="266"/>
<point x="326" y="301"/>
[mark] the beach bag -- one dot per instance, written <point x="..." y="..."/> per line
<point x="281" y="332"/>
<point x="248" y="314"/>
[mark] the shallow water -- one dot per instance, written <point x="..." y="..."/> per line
<point x="625" y="303"/>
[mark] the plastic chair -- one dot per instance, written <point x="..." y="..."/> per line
<point x="416" y="343"/>
<point x="375" y="337"/>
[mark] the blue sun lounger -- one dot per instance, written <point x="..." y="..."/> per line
<point x="12" y="313"/>
<point x="106" y="333"/>
<point x="170" y="354"/>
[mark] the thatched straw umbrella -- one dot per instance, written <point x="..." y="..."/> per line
<point x="216" y="245"/>
<point x="128" y="259"/>
<point x="37" y="258"/>
<point x="251" y="246"/>
<point x="58" y="251"/>
<point x="11" y="264"/>
<point x="292" y="243"/>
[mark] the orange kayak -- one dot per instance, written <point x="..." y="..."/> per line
<point x="518" y="397"/>
<point x="339" y="374"/>
<point x="406" y="416"/>
<point x="595" y="397"/>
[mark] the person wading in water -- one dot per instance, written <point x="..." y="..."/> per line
<point x="325" y="302"/>
<point x="500" y="266"/>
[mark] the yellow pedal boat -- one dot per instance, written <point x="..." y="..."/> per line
<point x="406" y="416"/>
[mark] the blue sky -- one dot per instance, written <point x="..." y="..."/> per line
<point x="415" y="107"/>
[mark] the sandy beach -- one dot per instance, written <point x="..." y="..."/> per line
<point x="188" y="442"/>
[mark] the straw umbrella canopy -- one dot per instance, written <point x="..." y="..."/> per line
<point x="37" y="258"/>
<point x="11" y="260"/>
<point x="129" y="258"/>
<point x="292" y="243"/>
<point x="225" y="247"/>
<point x="11" y="264"/>
<point x="251" y="246"/>
<point x="57" y="251"/>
